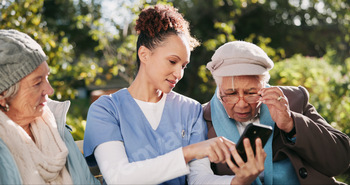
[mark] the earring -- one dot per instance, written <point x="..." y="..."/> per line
<point x="7" y="107"/>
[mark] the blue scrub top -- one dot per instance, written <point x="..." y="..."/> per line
<point x="117" y="117"/>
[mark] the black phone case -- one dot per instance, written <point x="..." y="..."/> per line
<point x="252" y="131"/>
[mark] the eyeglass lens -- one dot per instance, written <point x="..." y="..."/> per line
<point x="234" y="99"/>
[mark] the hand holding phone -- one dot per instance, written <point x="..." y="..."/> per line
<point x="252" y="131"/>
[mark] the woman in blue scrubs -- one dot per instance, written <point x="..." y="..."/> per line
<point x="147" y="133"/>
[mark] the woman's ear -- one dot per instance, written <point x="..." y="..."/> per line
<point x="2" y="101"/>
<point x="144" y="54"/>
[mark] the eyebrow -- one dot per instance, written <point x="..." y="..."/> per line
<point x="253" y="88"/>
<point x="234" y="90"/>
<point x="36" y="78"/>
<point x="229" y="91"/>
<point x="179" y="58"/>
<point x="175" y="56"/>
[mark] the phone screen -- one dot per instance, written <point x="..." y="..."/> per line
<point x="252" y="131"/>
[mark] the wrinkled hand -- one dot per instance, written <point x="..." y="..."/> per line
<point x="278" y="106"/>
<point x="216" y="149"/>
<point x="246" y="173"/>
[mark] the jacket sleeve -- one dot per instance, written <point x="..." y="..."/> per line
<point x="317" y="142"/>
<point x="9" y="173"/>
<point x="76" y="163"/>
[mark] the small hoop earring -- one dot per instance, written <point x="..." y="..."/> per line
<point x="7" y="107"/>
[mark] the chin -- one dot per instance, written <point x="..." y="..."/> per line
<point x="39" y="113"/>
<point x="166" y="90"/>
<point x="40" y="110"/>
<point x="242" y="119"/>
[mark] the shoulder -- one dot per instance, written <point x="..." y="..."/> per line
<point x="113" y="96"/>
<point x="109" y="107"/>
<point x="186" y="105"/>
<point x="4" y="151"/>
<point x="110" y="101"/>
<point x="207" y="111"/>
<point x="297" y="96"/>
<point x="8" y="168"/>
<point x="174" y="96"/>
<point x="294" y="89"/>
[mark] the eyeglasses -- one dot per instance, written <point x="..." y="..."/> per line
<point x="233" y="99"/>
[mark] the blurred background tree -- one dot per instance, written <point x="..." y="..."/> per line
<point x="309" y="41"/>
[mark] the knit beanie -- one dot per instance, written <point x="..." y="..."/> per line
<point x="19" y="56"/>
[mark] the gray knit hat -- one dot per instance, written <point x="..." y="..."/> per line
<point x="19" y="56"/>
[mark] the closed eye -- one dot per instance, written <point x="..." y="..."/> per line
<point x="232" y="94"/>
<point x="37" y="84"/>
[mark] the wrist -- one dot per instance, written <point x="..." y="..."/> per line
<point x="187" y="153"/>
<point x="235" y="180"/>
<point x="291" y="133"/>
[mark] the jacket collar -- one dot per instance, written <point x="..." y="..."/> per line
<point x="59" y="110"/>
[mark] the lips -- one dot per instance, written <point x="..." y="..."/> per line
<point x="172" y="83"/>
<point x="43" y="103"/>
<point x="243" y="115"/>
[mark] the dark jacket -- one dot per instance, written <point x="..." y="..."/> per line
<point x="320" y="151"/>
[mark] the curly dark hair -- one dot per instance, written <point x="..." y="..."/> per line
<point x="156" y="23"/>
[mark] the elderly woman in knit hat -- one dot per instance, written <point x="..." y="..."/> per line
<point x="303" y="149"/>
<point x="35" y="145"/>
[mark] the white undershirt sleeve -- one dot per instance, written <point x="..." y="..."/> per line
<point x="201" y="173"/>
<point x="116" y="169"/>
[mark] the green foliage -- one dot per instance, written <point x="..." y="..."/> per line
<point x="327" y="86"/>
<point x="83" y="53"/>
<point x="71" y="67"/>
<point x="77" y="117"/>
<point x="281" y="28"/>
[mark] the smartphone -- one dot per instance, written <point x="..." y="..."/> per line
<point x="252" y="131"/>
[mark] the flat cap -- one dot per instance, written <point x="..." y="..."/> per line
<point x="239" y="58"/>
<point x="20" y="55"/>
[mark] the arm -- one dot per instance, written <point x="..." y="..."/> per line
<point x="317" y="142"/>
<point x="324" y="147"/>
<point x="201" y="173"/>
<point x="246" y="173"/>
<point x="9" y="173"/>
<point x="216" y="149"/>
<point x="76" y="163"/>
<point x="116" y="169"/>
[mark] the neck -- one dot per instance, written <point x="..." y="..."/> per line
<point x="24" y="123"/>
<point x="144" y="91"/>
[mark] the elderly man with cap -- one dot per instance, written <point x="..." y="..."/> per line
<point x="35" y="144"/>
<point x="303" y="149"/>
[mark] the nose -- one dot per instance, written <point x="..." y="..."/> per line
<point x="48" y="90"/>
<point x="241" y="102"/>
<point x="178" y="72"/>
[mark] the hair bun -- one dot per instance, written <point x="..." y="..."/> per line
<point x="160" y="18"/>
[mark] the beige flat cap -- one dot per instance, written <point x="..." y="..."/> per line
<point x="239" y="58"/>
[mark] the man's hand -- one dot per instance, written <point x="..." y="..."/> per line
<point x="278" y="106"/>
<point x="246" y="173"/>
